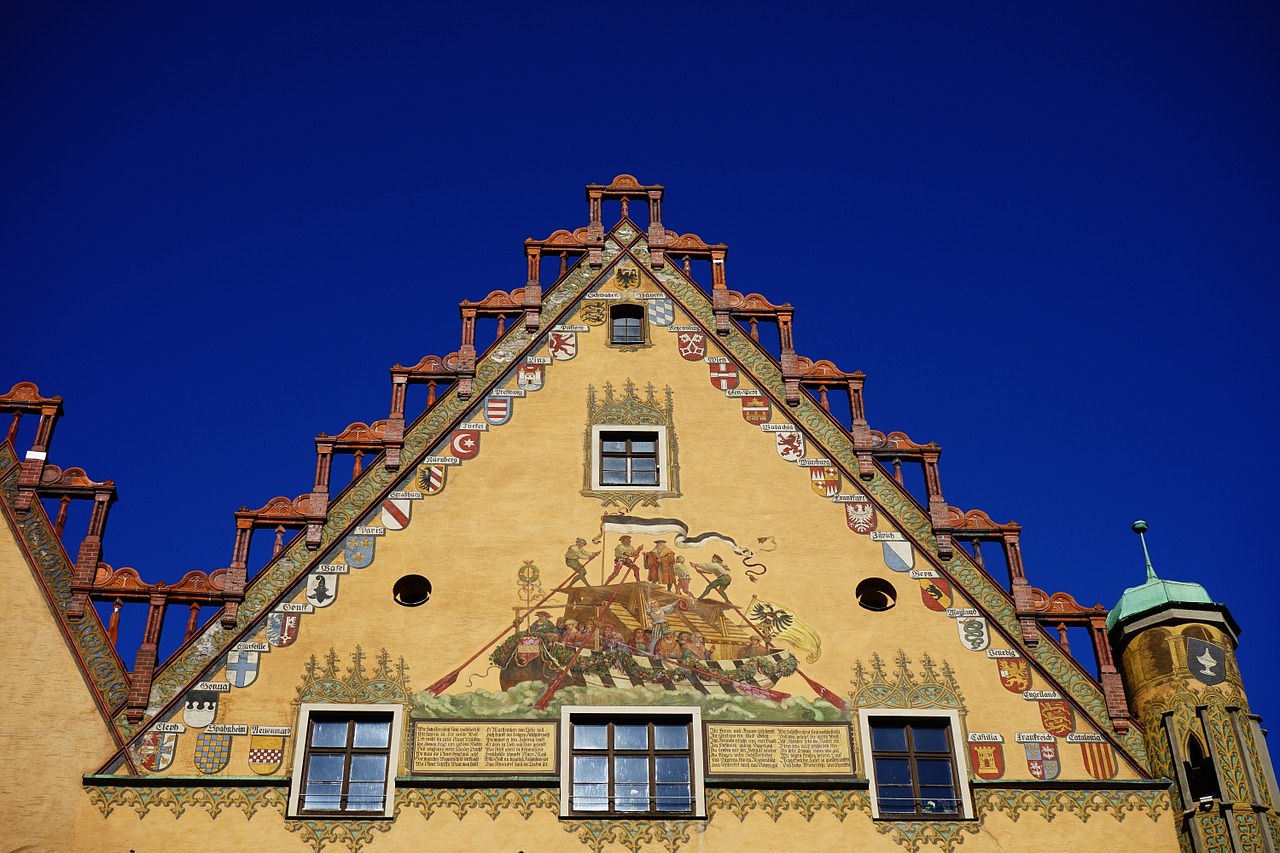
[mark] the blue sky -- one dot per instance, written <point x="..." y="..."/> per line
<point x="1047" y="232"/>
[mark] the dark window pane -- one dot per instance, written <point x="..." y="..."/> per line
<point x="329" y="733"/>
<point x="371" y="735"/>
<point x="671" y="737"/>
<point x="893" y="738"/>
<point x="672" y="769"/>
<point x="645" y="478"/>
<point x="674" y="798"/>
<point x="929" y="739"/>
<point x="896" y="799"/>
<point x="893" y="771"/>
<point x="933" y="771"/>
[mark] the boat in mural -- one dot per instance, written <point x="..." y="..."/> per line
<point x="605" y="638"/>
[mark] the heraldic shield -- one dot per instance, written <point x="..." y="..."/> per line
<point x="282" y="628"/>
<point x="790" y="445"/>
<point x="395" y="513"/>
<point x="861" y="517"/>
<point x="322" y="590"/>
<point x="935" y="593"/>
<point x="200" y="708"/>
<point x="1056" y="716"/>
<point x="1099" y="760"/>
<point x="898" y="556"/>
<point x="465" y="443"/>
<point x="265" y="754"/>
<point x="212" y="752"/>
<point x="1042" y="760"/>
<point x="987" y="759"/>
<point x="529" y="377"/>
<point x="825" y="480"/>
<point x="431" y="478"/>
<point x="358" y="551"/>
<point x="724" y="376"/>
<point x="497" y="410"/>
<point x="1015" y="674"/>
<point x="242" y="668"/>
<point x="693" y="345"/>
<point x="1207" y="662"/>
<point x="756" y="410"/>
<point x="974" y="632"/>
<point x="563" y="345"/>
<point x="662" y="312"/>
<point x="156" y="750"/>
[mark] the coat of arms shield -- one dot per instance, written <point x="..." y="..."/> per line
<point x="358" y="551"/>
<point x="212" y="752"/>
<point x="200" y="708"/>
<point x="282" y="628"/>
<point x="1015" y="674"/>
<point x="662" y="312"/>
<point x="974" y="632"/>
<point x="242" y="668"/>
<point x="898" y="556"/>
<point x="594" y="312"/>
<point x="563" y="345"/>
<point x="935" y="593"/>
<point x="1099" y="760"/>
<point x="987" y="760"/>
<point x="155" y="750"/>
<point x="790" y="445"/>
<point x="322" y="590"/>
<point x="265" y="754"/>
<point x="860" y="516"/>
<point x="724" y="376"/>
<point x="529" y="377"/>
<point x="693" y="345"/>
<point x="497" y="410"/>
<point x="756" y="409"/>
<point x="825" y="480"/>
<point x="1207" y="661"/>
<point x="431" y="478"/>
<point x="395" y="513"/>
<point x="1042" y="760"/>
<point x="1056" y="716"/>
<point x="465" y="443"/>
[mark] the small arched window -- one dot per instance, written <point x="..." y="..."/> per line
<point x="627" y="324"/>
<point x="1202" y="781"/>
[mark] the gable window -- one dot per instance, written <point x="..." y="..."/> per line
<point x="912" y="762"/>
<point x="348" y="760"/>
<point x="628" y="458"/>
<point x="637" y="762"/>
<point x="627" y="324"/>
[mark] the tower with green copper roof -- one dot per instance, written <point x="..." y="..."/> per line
<point x="1176" y="648"/>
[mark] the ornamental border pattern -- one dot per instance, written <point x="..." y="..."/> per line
<point x="889" y="495"/>
<point x="426" y="433"/>
<point x="92" y="646"/>
<point x="913" y="836"/>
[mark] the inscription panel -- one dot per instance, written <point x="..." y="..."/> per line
<point x="483" y="747"/>
<point x="764" y="750"/>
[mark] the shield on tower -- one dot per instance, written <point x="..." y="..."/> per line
<point x="358" y="552"/>
<point x="212" y="752"/>
<point x="1042" y="760"/>
<point x="242" y="668"/>
<point x="898" y="556"/>
<point x="322" y="590"/>
<point x="282" y="629"/>
<point x="529" y="376"/>
<point x="431" y="478"/>
<point x="1015" y="674"/>
<point x="935" y="593"/>
<point x="395" y="513"/>
<point x="1099" y="760"/>
<point x="465" y="443"/>
<point x="200" y="708"/>
<point x="860" y="516"/>
<point x="693" y="345"/>
<point x="724" y="376"/>
<point x="563" y="345"/>
<point x="987" y="760"/>
<point x="825" y="480"/>
<point x="265" y="754"/>
<point x="1056" y="716"/>
<point x="662" y="312"/>
<point x="790" y="445"/>
<point x="497" y="410"/>
<point x="156" y="750"/>
<point x="1207" y="662"/>
<point x="756" y="410"/>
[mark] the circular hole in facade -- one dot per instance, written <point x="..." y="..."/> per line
<point x="876" y="594"/>
<point x="411" y="590"/>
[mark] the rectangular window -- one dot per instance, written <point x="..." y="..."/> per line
<point x="636" y="762"/>
<point x="912" y="763"/>
<point x="348" y="760"/>
<point x="629" y="459"/>
<point x="627" y="324"/>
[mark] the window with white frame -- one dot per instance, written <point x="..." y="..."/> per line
<point x="915" y="764"/>
<point x="346" y="760"/>
<point x="628" y="458"/>
<point x="628" y="325"/>
<point x="637" y="762"/>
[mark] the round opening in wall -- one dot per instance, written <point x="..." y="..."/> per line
<point x="411" y="590"/>
<point x="876" y="594"/>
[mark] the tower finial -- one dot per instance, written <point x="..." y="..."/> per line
<point x="1140" y="527"/>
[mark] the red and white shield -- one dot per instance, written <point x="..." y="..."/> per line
<point x="497" y="410"/>
<point x="465" y="443"/>
<point x="395" y="513"/>
<point x="529" y="377"/>
<point x="825" y="480"/>
<point x="156" y="750"/>
<point x="693" y="345"/>
<point x="756" y="410"/>
<point x="563" y="345"/>
<point x="282" y="629"/>
<point x="1056" y="716"/>
<point x="431" y="478"/>
<point x="987" y="760"/>
<point x="860" y="516"/>
<point x="790" y="445"/>
<point x="1015" y="674"/>
<point x="724" y="376"/>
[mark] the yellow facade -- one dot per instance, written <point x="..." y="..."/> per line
<point x="492" y="540"/>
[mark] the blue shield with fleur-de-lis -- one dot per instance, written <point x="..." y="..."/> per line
<point x="358" y="551"/>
